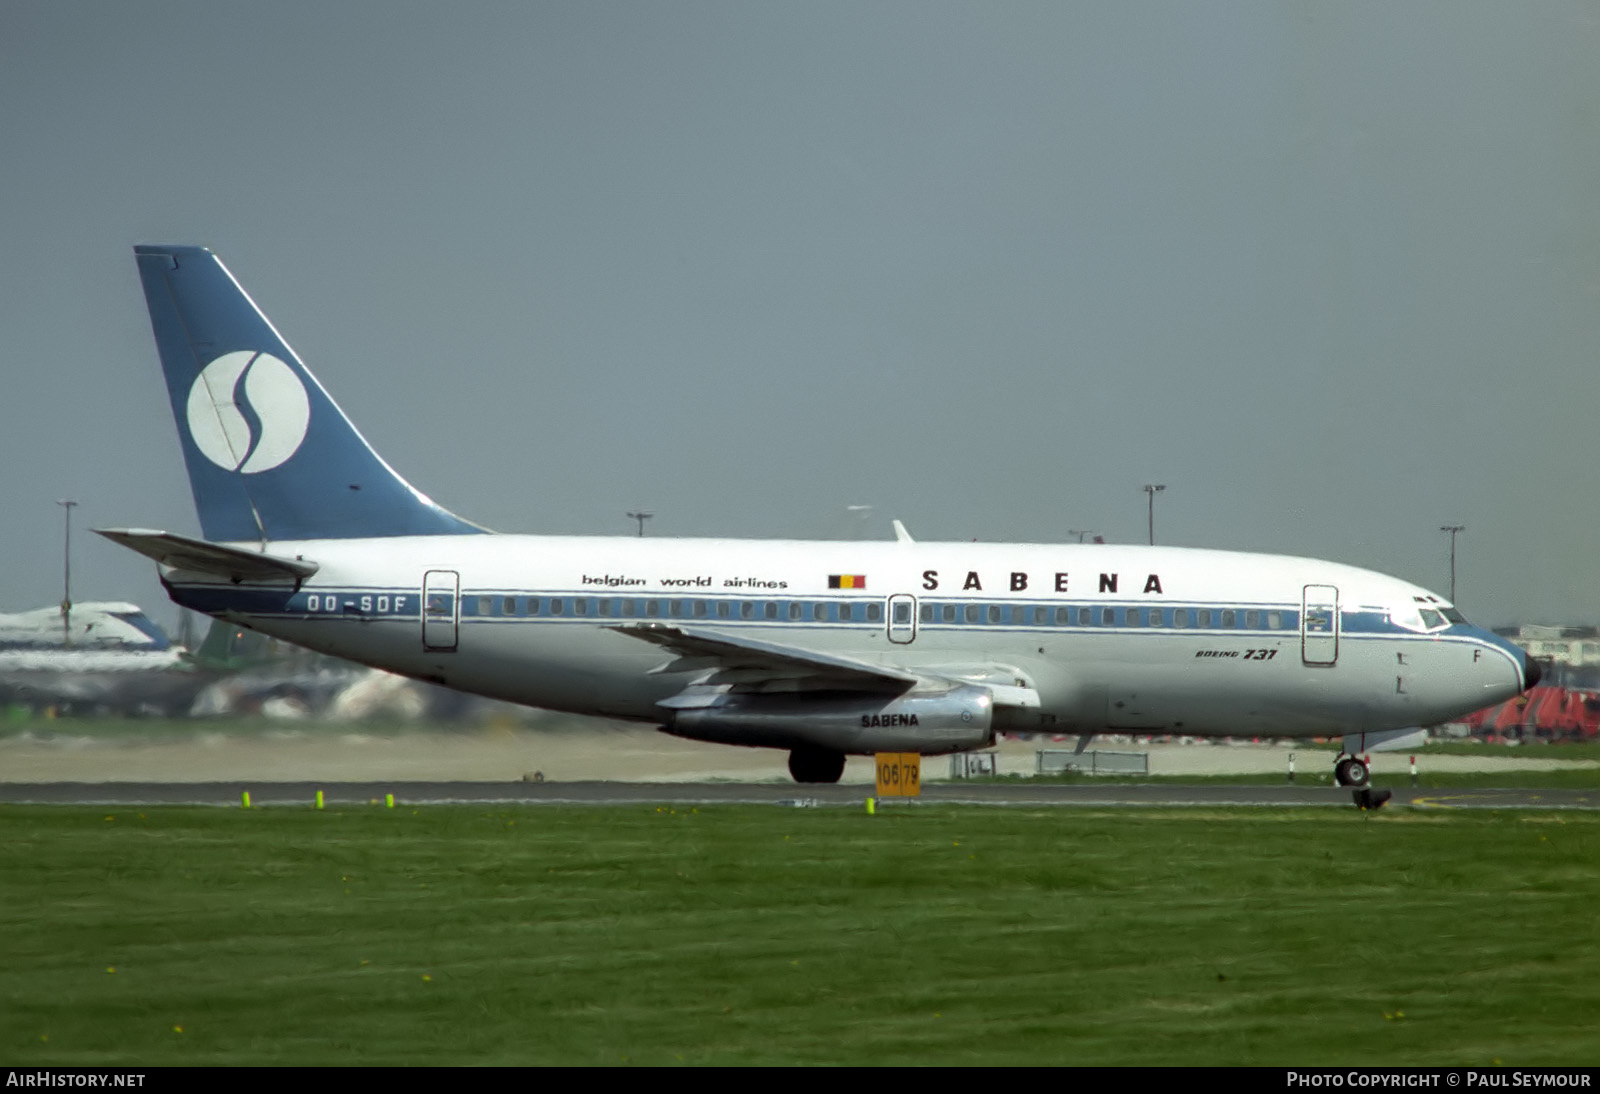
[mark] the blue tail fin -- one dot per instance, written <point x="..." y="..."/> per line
<point x="270" y="455"/>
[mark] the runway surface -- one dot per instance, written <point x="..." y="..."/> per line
<point x="599" y="793"/>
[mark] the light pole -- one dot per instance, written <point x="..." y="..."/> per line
<point x="641" y="517"/>
<point x="1080" y="535"/>
<point x="1452" y="529"/>
<point x="66" y="574"/>
<point x="1153" y="489"/>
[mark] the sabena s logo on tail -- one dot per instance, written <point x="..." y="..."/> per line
<point x="248" y="412"/>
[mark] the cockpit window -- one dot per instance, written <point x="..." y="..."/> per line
<point x="1425" y="617"/>
<point x="1407" y="616"/>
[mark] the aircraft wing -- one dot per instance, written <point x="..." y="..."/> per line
<point x="704" y="649"/>
<point x="198" y="556"/>
<point x="727" y="659"/>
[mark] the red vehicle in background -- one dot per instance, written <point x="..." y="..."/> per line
<point x="1545" y="713"/>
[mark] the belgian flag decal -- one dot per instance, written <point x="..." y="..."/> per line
<point x="847" y="581"/>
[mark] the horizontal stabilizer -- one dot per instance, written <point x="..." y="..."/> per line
<point x="198" y="556"/>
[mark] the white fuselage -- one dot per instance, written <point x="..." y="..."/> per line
<point x="1118" y="638"/>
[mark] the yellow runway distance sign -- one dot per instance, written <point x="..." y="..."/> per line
<point x="899" y="774"/>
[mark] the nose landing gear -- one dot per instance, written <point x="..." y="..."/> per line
<point x="1350" y="771"/>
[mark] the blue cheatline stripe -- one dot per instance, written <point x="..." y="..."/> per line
<point x="390" y="601"/>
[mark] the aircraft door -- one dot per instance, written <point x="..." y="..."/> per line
<point x="902" y="618"/>
<point x="1319" y="625"/>
<point x="441" y="609"/>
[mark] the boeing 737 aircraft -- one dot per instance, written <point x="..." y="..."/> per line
<point x="824" y="649"/>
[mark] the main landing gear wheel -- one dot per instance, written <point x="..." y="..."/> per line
<point x="816" y="765"/>
<point x="1350" y="771"/>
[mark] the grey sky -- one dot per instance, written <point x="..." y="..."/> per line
<point x="1329" y="271"/>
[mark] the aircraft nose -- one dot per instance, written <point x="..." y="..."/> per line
<point x="1532" y="672"/>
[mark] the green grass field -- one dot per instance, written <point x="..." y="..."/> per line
<point x="460" y="935"/>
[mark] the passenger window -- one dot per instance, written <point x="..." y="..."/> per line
<point x="605" y="607"/>
<point x="747" y="610"/>
<point x="555" y="605"/>
<point x="652" y="607"/>
<point x="1252" y="619"/>
<point x="700" y="609"/>
<point x="974" y="613"/>
<point x="1108" y="616"/>
<point x="581" y="605"/>
<point x="1180" y="617"/>
<point x="724" y="610"/>
<point x="1085" y="617"/>
<point x="819" y="611"/>
<point x="1205" y="618"/>
<point x="1132" y="617"/>
<point x="874" y="612"/>
<point x="675" y="609"/>
<point x="1063" y="616"/>
<point x="947" y="612"/>
<point x="508" y="606"/>
<point x="1155" y="617"/>
<point x="925" y="613"/>
<point x="994" y="613"/>
<point x="902" y="612"/>
<point x="796" y="609"/>
<point x="844" y="611"/>
<point x="1275" y="620"/>
<point x="1227" y="617"/>
<point x="770" y="611"/>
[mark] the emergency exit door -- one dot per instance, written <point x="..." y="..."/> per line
<point x="902" y="618"/>
<point x="441" y="609"/>
<point x="1319" y="625"/>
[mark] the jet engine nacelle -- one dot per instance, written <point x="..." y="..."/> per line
<point x="950" y="721"/>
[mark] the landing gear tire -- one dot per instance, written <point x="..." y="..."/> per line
<point x="816" y="765"/>
<point x="1351" y="772"/>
